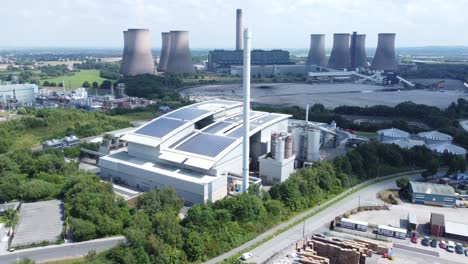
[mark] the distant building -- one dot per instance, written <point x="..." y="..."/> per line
<point x="432" y="194"/>
<point x="222" y="60"/>
<point x="19" y="93"/>
<point x="267" y="70"/>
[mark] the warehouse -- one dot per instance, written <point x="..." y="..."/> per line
<point x="18" y="93"/>
<point x="197" y="150"/>
<point x="457" y="231"/>
<point x="432" y="194"/>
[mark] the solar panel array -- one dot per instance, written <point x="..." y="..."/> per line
<point x="206" y="144"/>
<point x="217" y="127"/>
<point x="239" y="132"/>
<point x="187" y="113"/>
<point x="160" y="127"/>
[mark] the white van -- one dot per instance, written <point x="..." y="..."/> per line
<point x="451" y="247"/>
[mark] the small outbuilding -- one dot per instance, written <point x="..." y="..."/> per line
<point x="432" y="194"/>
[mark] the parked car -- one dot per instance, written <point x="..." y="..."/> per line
<point x="443" y="244"/>
<point x="246" y="256"/>
<point x="434" y="243"/>
<point x="459" y="248"/>
<point x="451" y="246"/>
<point x="414" y="239"/>
<point x="425" y="241"/>
<point x="466" y="252"/>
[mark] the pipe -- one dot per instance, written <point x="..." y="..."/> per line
<point x="307" y="113"/>
<point x="246" y="104"/>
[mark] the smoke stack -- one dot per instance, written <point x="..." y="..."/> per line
<point x="137" y="57"/>
<point x="180" y="58"/>
<point x="165" y="50"/>
<point x="385" y="58"/>
<point x="246" y="114"/>
<point x="358" y="51"/>
<point x="340" y="57"/>
<point x="317" y="54"/>
<point x="238" y="29"/>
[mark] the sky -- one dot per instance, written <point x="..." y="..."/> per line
<point x="273" y="23"/>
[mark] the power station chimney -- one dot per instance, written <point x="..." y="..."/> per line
<point x="123" y="64"/>
<point x="358" y="51"/>
<point x="180" y="58"/>
<point x="138" y="57"/>
<point x="385" y="57"/>
<point x="317" y="55"/>
<point x="165" y="50"/>
<point x="340" y="57"/>
<point x="246" y="114"/>
<point x="238" y="29"/>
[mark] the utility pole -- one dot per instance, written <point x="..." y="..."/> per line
<point x="359" y="202"/>
<point x="303" y="229"/>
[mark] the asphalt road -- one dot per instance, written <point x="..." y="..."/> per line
<point x="59" y="252"/>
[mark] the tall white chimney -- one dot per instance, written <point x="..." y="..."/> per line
<point x="246" y="88"/>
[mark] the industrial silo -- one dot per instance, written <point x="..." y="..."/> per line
<point x="385" y="57"/>
<point x="165" y="51"/>
<point x="313" y="145"/>
<point x="340" y="57"/>
<point x="288" y="146"/>
<point x="273" y="145"/>
<point x="279" y="150"/>
<point x="317" y="55"/>
<point x="138" y="57"/>
<point x="180" y="58"/>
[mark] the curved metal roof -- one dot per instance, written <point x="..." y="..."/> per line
<point x="447" y="148"/>
<point x="406" y="143"/>
<point x="393" y="132"/>
<point x="435" y="135"/>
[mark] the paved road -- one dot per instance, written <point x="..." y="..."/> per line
<point x="318" y="222"/>
<point x="59" y="252"/>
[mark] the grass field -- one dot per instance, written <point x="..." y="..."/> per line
<point x="366" y="134"/>
<point x="77" y="79"/>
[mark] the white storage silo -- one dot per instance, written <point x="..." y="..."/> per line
<point x="313" y="145"/>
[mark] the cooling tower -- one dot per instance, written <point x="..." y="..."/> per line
<point x="137" y="57"/>
<point x="385" y="58"/>
<point x="180" y="59"/>
<point x="358" y="51"/>
<point x="238" y="29"/>
<point x="165" y="50"/>
<point x="317" y="54"/>
<point x="123" y="64"/>
<point x="340" y="57"/>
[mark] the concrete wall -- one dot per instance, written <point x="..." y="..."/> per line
<point x="273" y="171"/>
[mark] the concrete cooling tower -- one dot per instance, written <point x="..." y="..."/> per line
<point x="165" y="50"/>
<point x="137" y="57"/>
<point x="123" y="64"/>
<point x="385" y="57"/>
<point x="340" y="57"/>
<point x="239" y="29"/>
<point x="358" y="51"/>
<point x="180" y="58"/>
<point x="317" y="55"/>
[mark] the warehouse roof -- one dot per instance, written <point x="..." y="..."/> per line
<point x="432" y="188"/>
<point x="456" y="228"/>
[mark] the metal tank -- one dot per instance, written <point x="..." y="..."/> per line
<point x="288" y="147"/>
<point x="273" y="145"/>
<point x="313" y="145"/>
<point x="358" y="51"/>
<point x="165" y="50"/>
<point x="279" y="150"/>
<point x="239" y="29"/>
<point x="385" y="57"/>
<point x="138" y="57"/>
<point x="340" y="57"/>
<point x="317" y="55"/>
<point x="180" y="58"/>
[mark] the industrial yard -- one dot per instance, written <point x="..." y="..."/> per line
<point x="330" y="95"/>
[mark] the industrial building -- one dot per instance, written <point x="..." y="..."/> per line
<point x="385" y="56"/>
<point x="18" y="93"/>
<point x="432" y="194"/>
<point x="392" y="134"/>
<point x="440" y="227"/>
<point x="317" y="55"/>
<point x="270" y="70"/>
<point x="137" y="57"/>
<point x="437" y="224"/>
<point x="197" y="150"/>
<point x="340" y="57"/>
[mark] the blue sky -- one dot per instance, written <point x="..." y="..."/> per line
<point x="273" y="23"/>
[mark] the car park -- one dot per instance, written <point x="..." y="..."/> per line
<point x="434" y="243"/>
<point x="425" y="241"/>
<point x="451" y="246"/>
<point x="246" y="256"/>
<point x="459" y="248"/>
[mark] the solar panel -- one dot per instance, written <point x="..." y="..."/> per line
<point x="217" y="127"/>
<point x="160" y="127"/>
<point x="264" y="119"/>
<point x="239" y="132"/>
<point x="206" y="144"/>
<point x="187" y="113"/>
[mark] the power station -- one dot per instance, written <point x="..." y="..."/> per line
<point x="180" y="57"/>
<point x="137" y="57"/>
<point x="340" y="57"/>
<point x="317" y="55"/>
<point x="385" y="57"/>
<point x="165" y="51"/>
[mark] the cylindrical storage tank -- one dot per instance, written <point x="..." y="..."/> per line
<point x="139" y="58"/>
<point x="288" y="146"/>
<point x="297" y="141"/>
<point x="360" y="57"/>
<point x="385" y="57"/>
<point x="313" y="145"/>
<point x="273" y="145"/>
<point x="317" y="55"/>
<point x="279" y="149"/>
<point x="180" y="58"/>
<point x="165" y="51"/>
<point x="124" y="62"/>
<point x="340" y="57"/>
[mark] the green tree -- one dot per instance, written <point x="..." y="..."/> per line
<point x="95" y="85"/>
<point x="86" y="84"/>
<point x="403" y="182"/>
<point x="194" y="246"/>
<point x="82" y="230"/>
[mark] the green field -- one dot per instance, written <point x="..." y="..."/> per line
<point x="78" y="78"/>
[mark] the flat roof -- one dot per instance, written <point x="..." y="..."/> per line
<point x="391" y="228"/>
<point x="412" y="218"/>
<point x="432" y="188"/>
<point x="456" y="228"/>
<point x="437" y="219"/>
<point x="353" y="221"/>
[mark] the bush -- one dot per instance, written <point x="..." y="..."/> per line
<point x="82" y="230"/>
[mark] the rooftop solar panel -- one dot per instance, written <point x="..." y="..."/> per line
<point x="217" y="127"/>
<point x="160" y="127"/>
<point x="187" y="113"/>
<point x="239" y="132"/>
<point x="206" y="144"/>
<point x="264" y="119"/>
